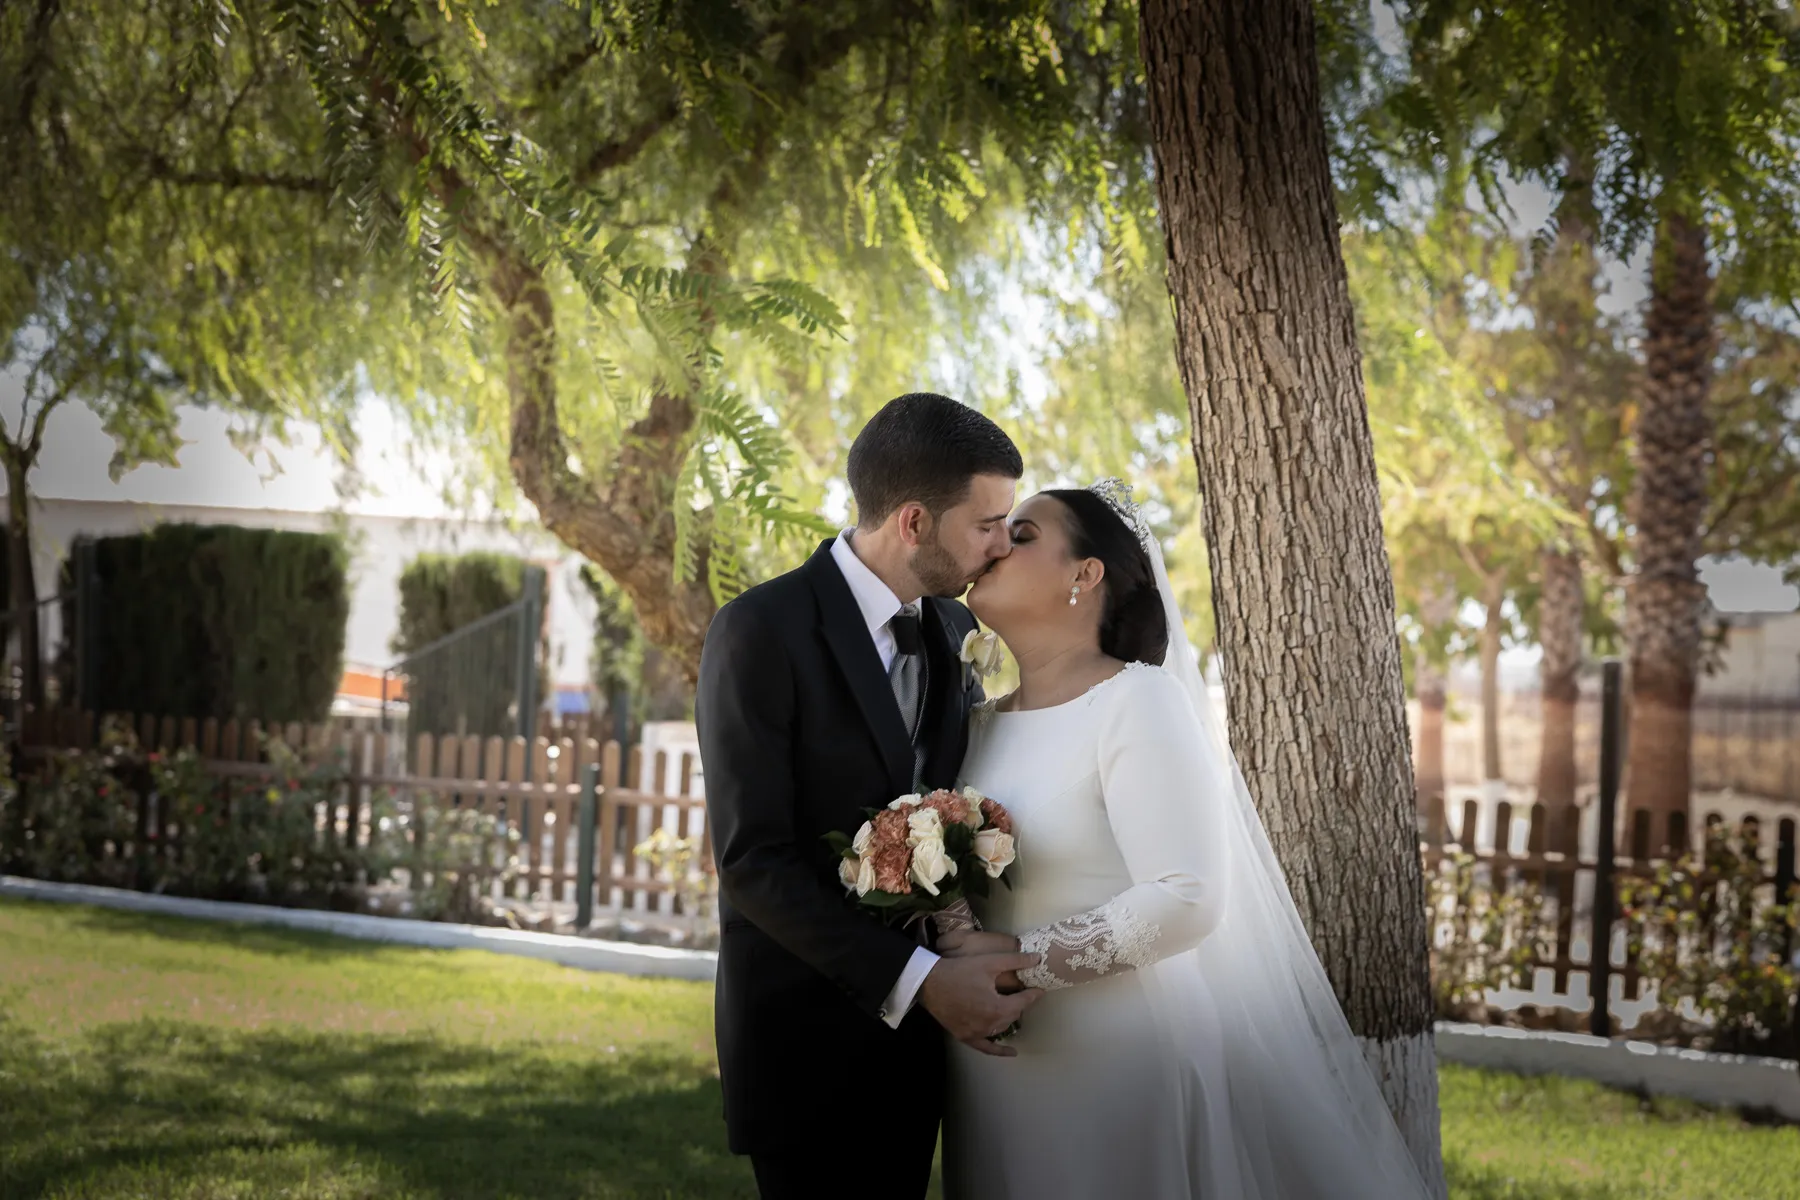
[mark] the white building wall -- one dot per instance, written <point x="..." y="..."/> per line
<point x="1760" y="657"/>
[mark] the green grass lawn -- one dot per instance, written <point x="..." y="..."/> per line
<point x="159" y="1058"/>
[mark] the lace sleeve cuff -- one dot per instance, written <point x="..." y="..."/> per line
<point x="1089" y="945"/>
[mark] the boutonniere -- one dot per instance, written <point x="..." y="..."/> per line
<point x="981" y="651"/>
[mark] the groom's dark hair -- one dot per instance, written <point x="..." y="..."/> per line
<point x="925" y="447"/>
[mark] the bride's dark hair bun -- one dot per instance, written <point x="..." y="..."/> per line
<point x="1134" y="627"/>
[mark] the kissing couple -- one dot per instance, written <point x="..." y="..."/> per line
<point x="1141" y="1015"/>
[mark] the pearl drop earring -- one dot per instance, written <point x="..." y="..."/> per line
<point x="1074" y="593"/>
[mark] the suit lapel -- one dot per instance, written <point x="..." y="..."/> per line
<point x="948" y="726"/>
<point x="841" y="623"/>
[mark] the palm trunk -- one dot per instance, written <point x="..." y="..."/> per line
<point x="1664" y="598"/>
<point x="1559" y="635"/>
<point x="22" y="600"/>
<point x="1303" y="591"/>
<point x="1493" y="775"/>
<point x="1429" y="688"/>
<point x="1437" y="609"/>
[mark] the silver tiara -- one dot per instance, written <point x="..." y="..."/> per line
<point x="1117" y="494"/>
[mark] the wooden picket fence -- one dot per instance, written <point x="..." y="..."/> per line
<point x="1554" y="860"/>
<point x="630" y="797"/>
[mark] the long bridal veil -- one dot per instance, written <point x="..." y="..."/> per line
<point x="1308" y="1117"/>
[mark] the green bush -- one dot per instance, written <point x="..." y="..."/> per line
<point x="469" y="685"/>
<point x="74" y="819"/>
<point x="220" y="621"/>
<point x="1708" y="930"/>
<point x="1482" y="938"/>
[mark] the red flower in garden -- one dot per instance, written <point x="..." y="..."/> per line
<point x="199" y="810"/>
<point x="103" y="791"/>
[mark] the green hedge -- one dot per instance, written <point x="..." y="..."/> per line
<point x="220" y="621"/>
<point x="469" y="685"/>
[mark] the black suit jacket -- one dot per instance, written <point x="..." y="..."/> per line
<point x="799" y="734"/>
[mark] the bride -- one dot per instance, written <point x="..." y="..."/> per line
<point x="1188" y="1043"/>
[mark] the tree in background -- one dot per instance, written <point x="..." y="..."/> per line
<point x="1690" y="116"/>
<point x="637" y="678"/>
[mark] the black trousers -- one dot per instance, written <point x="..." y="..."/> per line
<point x="905" y="1173"/>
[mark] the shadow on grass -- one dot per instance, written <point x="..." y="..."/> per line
<point x="200" y="1112"/>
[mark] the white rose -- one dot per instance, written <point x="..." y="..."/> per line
<point x="924" y="825"/>
<point x="912" y="801"/>
<point x="973" y="798"/>
<point x="995" y="850"/>
<point x="860" y="843"/>
<point x="931" y="863"/>
<point x="865" y="877"/>
<point x="847" y="868"/>
<point x="981" y="651"/>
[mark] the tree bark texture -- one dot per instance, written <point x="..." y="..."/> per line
<point x="1560" y="612"/>
<point x="1664" y="600"/>
<point x="1302" y="586"/>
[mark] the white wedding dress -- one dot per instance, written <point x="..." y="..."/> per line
<point x="1118" y="1086"/>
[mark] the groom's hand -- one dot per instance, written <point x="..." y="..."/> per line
<point x="964" y="994"/>
<point x="962" y="943"/>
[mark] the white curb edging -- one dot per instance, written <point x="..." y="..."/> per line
<point x="587" y="954"/>
<point x="1733" y="1080"/>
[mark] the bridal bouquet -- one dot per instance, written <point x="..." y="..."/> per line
<point x="926" y="855"/>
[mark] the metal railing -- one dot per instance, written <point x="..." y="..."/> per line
<point x="481" y="679"/>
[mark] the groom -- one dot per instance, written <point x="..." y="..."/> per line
<point x="830" y="690"/>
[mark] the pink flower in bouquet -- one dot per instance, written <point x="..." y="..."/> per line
<point x="888" y="852"/>
<point x="994" y="815"/>
<point x="951" y="808"/>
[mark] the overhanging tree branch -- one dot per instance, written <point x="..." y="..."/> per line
<point x="236" y="177"/>
<point x="620" y="151"/>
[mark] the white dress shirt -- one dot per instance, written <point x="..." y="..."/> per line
<point x="879" y="607"/>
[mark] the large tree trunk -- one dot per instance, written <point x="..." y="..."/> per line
<point x="1664" y="599"/>
<point x="1493" y="773"/>
<point x="22" y="599"/>
<point x="1303" y="591"/>
<point x="1559" y="674"/>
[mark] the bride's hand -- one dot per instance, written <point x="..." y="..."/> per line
<point x="961" y="943"/>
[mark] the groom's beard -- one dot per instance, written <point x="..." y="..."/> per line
<point x="938" y="572"/>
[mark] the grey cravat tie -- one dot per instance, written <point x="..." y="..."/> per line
<point x="907" y="676"/>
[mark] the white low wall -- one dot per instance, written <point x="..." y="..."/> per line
<point x="588" y="954"/>
<point x="1733" y="1080"/>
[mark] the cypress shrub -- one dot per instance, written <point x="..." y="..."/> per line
<point x="469" y="684"/>
<point x="221" y="621"/>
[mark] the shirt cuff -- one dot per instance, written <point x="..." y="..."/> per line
<point x="899" y="1002"/>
